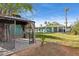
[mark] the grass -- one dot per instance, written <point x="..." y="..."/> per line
<point x="65" y="39"/>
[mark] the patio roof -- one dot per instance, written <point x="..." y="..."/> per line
<point x="12" y="18"/>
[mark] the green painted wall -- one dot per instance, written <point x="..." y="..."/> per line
<point x="18" y="31"/>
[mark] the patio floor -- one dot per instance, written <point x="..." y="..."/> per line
<point x="18" y="45"/>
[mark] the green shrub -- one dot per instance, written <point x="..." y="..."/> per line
<point x="75" y="28"/>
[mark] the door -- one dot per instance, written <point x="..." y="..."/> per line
<point x="55" y="29"/>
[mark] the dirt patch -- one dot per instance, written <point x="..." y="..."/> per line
<point x="49" y="49"/>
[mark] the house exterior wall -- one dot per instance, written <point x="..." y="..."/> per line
<point x="61" y="29"/>
<point x="19" y="31"/>
<point x="50" y="29"/>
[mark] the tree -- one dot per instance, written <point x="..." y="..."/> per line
<point x="75" y="28"/>
<point x="14" y="8"/>
<point x="42" y="37"/>
<point x="45" y="22"/>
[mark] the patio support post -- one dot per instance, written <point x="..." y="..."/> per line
<point x="24" y="28"/>
<point x="14" y="33"/>
<point x="5" y="32"/>
<point x="57" y="29"/>
<point x="33" y="32"/>
<point x="14" y="28"/>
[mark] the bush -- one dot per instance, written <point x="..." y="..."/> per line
<point x="75" y="28"/>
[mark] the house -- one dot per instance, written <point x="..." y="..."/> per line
<point x="52" y="27"/>
<point x="12" y="28"/>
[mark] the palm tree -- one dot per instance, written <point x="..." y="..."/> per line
<point x="40" y="25"/>
<point x="14" y="8"/>
<point x="45" y="22"/>
<point x="46" y="25"/>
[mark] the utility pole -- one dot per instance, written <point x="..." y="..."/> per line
<point x="66" y="22"/>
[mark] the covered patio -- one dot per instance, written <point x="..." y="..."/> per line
<point x="20" y="44"/>
<point x="14" y="31"/>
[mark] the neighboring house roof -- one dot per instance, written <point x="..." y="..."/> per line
<point x="11" y="18"/>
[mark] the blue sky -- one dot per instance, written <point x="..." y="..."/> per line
<point x="53" y="12"/>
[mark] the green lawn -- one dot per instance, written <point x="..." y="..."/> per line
<point x="69" y="40"/>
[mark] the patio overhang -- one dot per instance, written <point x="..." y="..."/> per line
<point x="11" y="19"/>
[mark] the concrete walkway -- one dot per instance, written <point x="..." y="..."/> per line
<point x="18" y="45"/>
